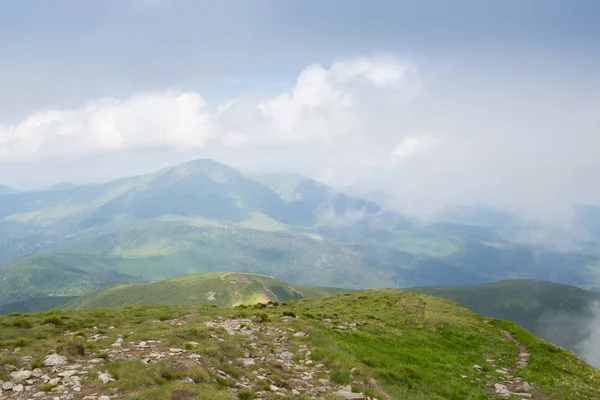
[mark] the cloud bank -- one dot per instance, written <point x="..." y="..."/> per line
<point x="430" y="138"/>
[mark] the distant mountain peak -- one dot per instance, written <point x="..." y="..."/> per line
<point x="217" y="171"/>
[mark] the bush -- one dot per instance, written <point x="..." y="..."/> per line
<point x="246" y="394"/>
<point x="262" y="317"/>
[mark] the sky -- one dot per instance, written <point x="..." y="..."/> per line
<point x="434" y="102"/>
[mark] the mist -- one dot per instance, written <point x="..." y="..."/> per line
<point x="576" y="331"/>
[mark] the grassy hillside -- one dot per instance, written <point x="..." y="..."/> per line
<point x="162" y="251"/>
<point x="385" y="344"/>
<point x="553" y="311"/>
<point x="221" y="288"/>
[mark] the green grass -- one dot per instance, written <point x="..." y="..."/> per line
<point x="413" y="345"/>
<point x="554" y="311"/>
<point x="220" y="288"/>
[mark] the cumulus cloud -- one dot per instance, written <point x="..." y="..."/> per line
<point x="474" y="134"/>
<point x="144" y="121"/>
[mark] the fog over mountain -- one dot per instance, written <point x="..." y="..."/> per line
<point x="489" y="110"/>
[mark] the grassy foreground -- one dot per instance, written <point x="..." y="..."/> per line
<point x="386" y="344"/>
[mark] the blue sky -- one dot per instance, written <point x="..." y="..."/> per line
<point x="487" y="101"/>
<point x="65" y="51"/>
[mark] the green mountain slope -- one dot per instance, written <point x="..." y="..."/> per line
<point x="556" y="312"/>
<point x="162" y="251"/>
<point x="385" y="344"/>
<point x="201" y="188"/>
<point x="221" y="288"/>
<point x="356" y="244"/>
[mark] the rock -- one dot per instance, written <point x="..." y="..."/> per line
<point x="502" y="371"/>
<point x="523" y="395"/>
<point x="525" y="386"/>
<point x="295" y="392"/>
<point x="20" y="376"/>
<point x="286" y="355"/>
<point x="7" y="386"/>
<point x="273" y="388"/>
<point x="176" y="350"/>
<point x="105" y="377"/>
<point x="18" y="388"/>
<point x="36" y="373"/>
<point x="103" y="398"/>
<point x="501" y="390"/>
<point x="90" y="398"/>
<point x="117" y="342"/>
<point x="477" y="368"/>
<point x="68" y="374"/>
<point x="344" y="394"/>
<point x="246" y="362"/>
<point x="54" y="381"/>
<point x="9" y="368"/>
<point x="54" y="360"/>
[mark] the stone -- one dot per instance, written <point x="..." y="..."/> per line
<point x="54" y="360"/>
<point x="20" y="376"/>
<point x="54" y="381"/>
<point x="7" y="386"/>
<point x="36" y="373"/>
<point x="176" y="350"/>
<point x="246" y="362"/>
<point x="347" y="395"/>
<point x="103" y="398"/>
<point x="525" y="386"/>
<point x="501" y="390"/>
<point x="10" y="368"/>
<point x="105" y="377"/>
<point x="68" y="374"/>
<point x="523" y="395"/>
<point x="18" y="388"/>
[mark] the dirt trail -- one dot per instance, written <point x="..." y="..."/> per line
<point x="504" y="384"/>
<point x="523" y="357"/>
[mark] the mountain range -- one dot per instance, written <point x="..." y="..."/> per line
<point x="205" y="216"/>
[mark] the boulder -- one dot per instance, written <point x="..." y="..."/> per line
<point x="54" y="360"/>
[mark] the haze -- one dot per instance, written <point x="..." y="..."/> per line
<point x="432" y="103"/>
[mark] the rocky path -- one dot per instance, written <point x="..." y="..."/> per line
<point x="504" y="384"/>
<point x="274" y="364"/>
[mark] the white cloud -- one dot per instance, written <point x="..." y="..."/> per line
<point x="144" y="121"/>
<point x="472" y="134"/>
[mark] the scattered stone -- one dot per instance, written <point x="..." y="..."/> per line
<point x="105" y="377"/>
<point x="176" y="350"/>
<point x="502" y="390"/>
<point x="54" y="360"/>
<point x="20" y="376"/>
<point x="7" y="386"/>
<point x="18" y="388"/>
<point x="10" y="368"/>
<point x="348" y="395"/>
